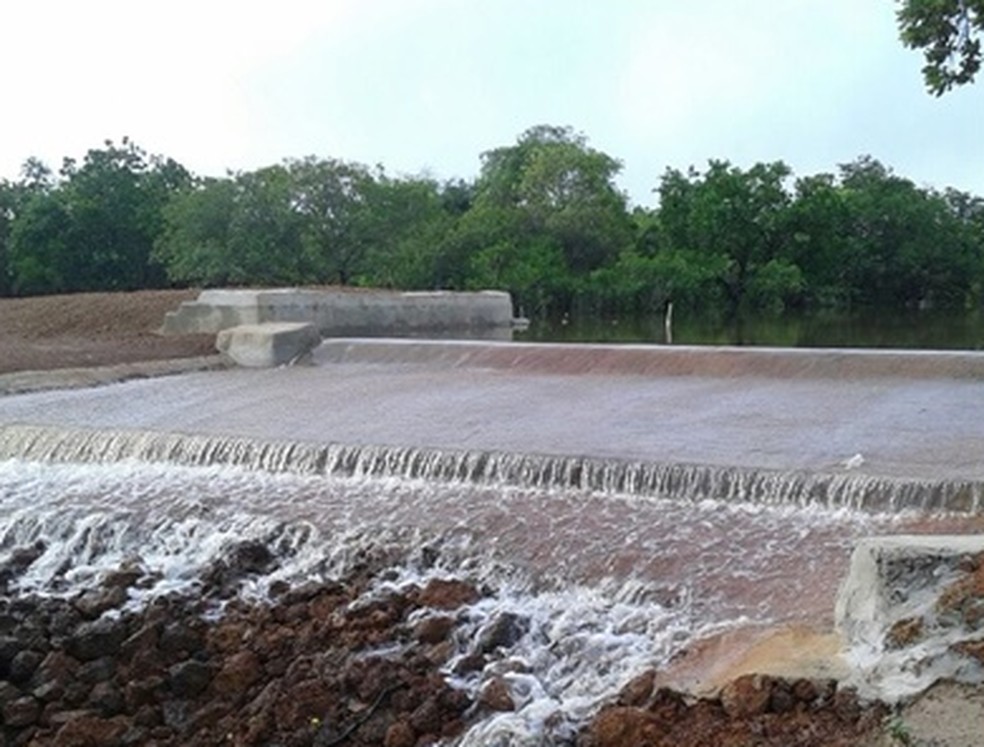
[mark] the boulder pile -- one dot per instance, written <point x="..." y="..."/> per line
<point x="329" y="663"/>
<point x="317" y="665"/>
<point x="751" y="710"/>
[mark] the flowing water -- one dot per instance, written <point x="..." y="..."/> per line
<point x="616" y="565"/>
<point x="623" y="513"/>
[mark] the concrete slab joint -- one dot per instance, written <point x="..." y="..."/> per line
<point x="267" y="345"/>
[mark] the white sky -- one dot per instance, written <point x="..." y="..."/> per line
<point x="427" y="85"/>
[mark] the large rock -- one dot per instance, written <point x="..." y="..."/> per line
<point x="23" y="711"/>
<point x="94" y="640"/>
<point x="748" y="695"/>
<point x="447" y="594"/>
<point x="620" y="726"/>
<point x="267" y="345"/>
<point x="91" y="730"/>
<point x="238" y="673"/>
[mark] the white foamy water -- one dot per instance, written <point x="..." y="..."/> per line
<point x="607" y="584"/>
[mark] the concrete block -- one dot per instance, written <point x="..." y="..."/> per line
<point x="910" y="613"/>
<point x="890" y="578"/>
<point x="267" y="345"/>
<point x="214" y="310"/>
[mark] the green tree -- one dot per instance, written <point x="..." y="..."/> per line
<point x="457" y="197"/>
<point x="266" y="231"/>
<point x="907" y="247"/>
<point x="738" y="215"/>
<point x="819" y="227"/>
<point x="332" y="199"/>
<point x="546" y="213"/>
<point x="948" y="33"/>
<point x="41" y="256"/>
<point x="306" y="221"/>
<point x="194" y="245"/>
<point x="408" y="220"/>
<point x="645" y="284"/>
<point x="93" y="229"/>
<point x="504" y="255"/>
<point x="36" y="177"/>
<point x="242" y="230"/>
<point x="9" y="199"/>
<point x="116" y="198"/>
<point x="36" y="180"/>
<point x="564" y="189"/>
<point x="494" y="247"/>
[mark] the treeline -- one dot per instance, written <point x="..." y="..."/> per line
<point x="543" y="220"/>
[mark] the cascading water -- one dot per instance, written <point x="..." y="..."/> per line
<point x="614" y="566"/>
<point x="494" y="469"/>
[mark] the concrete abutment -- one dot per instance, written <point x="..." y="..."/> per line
<point x="348" y="312"/>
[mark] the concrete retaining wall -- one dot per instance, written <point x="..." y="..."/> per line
<point x="344" y="313"/>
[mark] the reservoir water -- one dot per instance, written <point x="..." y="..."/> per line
<point x="940" y="329"/>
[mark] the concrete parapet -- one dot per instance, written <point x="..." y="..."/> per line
<point x="267" y="345"/>
<point x="343" y="312"/>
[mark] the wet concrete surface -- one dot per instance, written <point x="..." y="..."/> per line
<point x="921" y="426"/>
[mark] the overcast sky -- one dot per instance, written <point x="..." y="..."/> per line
<point x="427" y="85"/>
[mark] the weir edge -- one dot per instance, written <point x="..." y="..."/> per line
<point x="500" y="469"/>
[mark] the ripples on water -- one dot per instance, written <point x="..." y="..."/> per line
<point x="612" y="584"/>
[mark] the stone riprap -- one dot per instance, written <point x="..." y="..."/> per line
<point x="346" y="312"/>
<point x="267" y="345"/>
<point x="94" y="670"/>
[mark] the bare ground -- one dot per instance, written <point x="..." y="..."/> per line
<point x="84" y="330"/>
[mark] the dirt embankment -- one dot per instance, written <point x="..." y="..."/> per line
<point x="46" y="333"/>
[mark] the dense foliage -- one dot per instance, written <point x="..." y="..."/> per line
<point x="94" y="228"/>
<point x="544" y="220"/>
<point x="948" y="33"/>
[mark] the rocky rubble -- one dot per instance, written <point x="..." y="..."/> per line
<point x="323" y="664"/>
<point x="337" y="663"/>
<point x="751" y="710"/>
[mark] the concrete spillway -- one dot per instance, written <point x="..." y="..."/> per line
<point x="543" y="470"/>
<point x="910" y="417"/>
